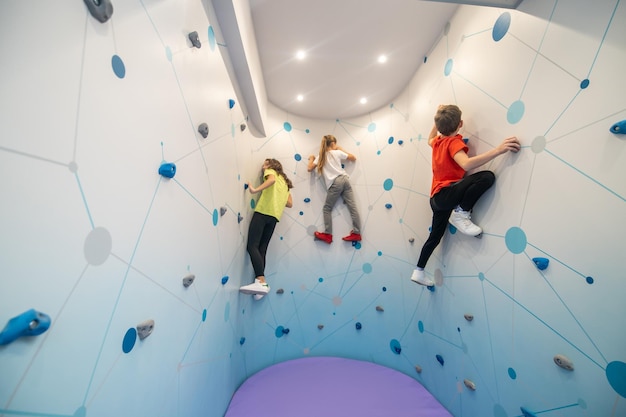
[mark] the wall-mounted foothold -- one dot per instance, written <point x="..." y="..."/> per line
<point x="431" y="288"/>
<point x="188" y="280"/>
<point x="418" y="369"/>
<point x="231" y="103"/>
<point x="195" y="40"/>
<point x="358" y="325"/>
<point x="280" y="291"/>
<point x="307" y="200"/>
<point x="380" y="308"/>
<point x="222" y="211"/>
<point x="412" y="240"/>
<point x="245" y="186"/>
<point x="145" y="328"/>
<point x="239" y="218"/>
<point x="619" y="128"/>
<point x="388" y="206"/>
<point x="242" y="127"/>
<point x="242" y="340"/>
<point x="400" y="142"/>
<point x="101" y="10"/>
<point x="541" y="263"/>
<point x="224" y="279"/>
<point x="468" y="317"/>
<point x="527" y="413"/>
<point x="285" y="331"/>
<point x="167" y="169"/>
<point x="469" y="384"/>
<point x="204" y="130"/>
<point x="439" y="359"/>
<point x="320" y="326"/>
<point x="564" y="362"/>
<point x="29" y="323"/>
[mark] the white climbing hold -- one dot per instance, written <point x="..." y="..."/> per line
<point x="144" y="329"/>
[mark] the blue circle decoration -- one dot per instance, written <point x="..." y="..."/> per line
<point x="168" y="53"/>
<point x="515" y="239"/>
<point x="216" y="216"/>
<point x="512" y="373"/>
<point x="367" y="267"/>
<point x="297" y="157"/>
<point x="501" y="27"/>
<point x="448" y="68"/>
<point x="420" y="326"/>
<point x="616" y="374"/>
<point x="390" y="140"/>
<point x="395" y="346"/>
<point x="211" y="38"/>
<point x="584" y="83"/>
<point x="589" y="280"/>
<point x="388" y="184"/>
<point x="279" y="331"/>
<point x="287" y="126"/>
<point x="129" y="340"/>
<point x="118" y="66"/>
<point x="371" y="127"/>
<point x="515" y="112"/>
<point x="204" y="315"/>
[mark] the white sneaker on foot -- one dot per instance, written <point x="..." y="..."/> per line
<point x="257" y="287"/>
<point x="461" y="220"/>
<point x="420" y="278"/>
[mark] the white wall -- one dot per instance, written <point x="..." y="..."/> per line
<point x="80" y="148"/>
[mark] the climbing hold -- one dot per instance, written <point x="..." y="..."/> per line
<point x="527" y="413"/>
<point x="479" y="236"/>
<point x="564" y="362"/>
<point x="285" y="331"/>
<point x="167" y="169"/>
<point x="280" y="291"/>
<point x="29" y="323"/>
<point x="412" y="240"/>
<point x="388" y="206"/>
<point x="224" y="279"/>
<point x="239" y="218"/>
<point x="541" y="263"/>
<point x="619" y="127"/>
<point x="242" y="127"/>
<point x="320" y="326"/>
<point x="204" y="130"/>
<point x="358" y="325"/>
<point x="380" y="308"/>
<point x="242" y="340"/>
<point x="231" y="103"/>
<point x="222" y="211"/>
<point x="439" y="359"/>
<point x="195" y="41"/>
<point x="101" y="10"/>
<point x="307" y="200"/>
<point x="188" y="280"/>
<point x="418" y="369"/>
<point x="466" y="140"/>
<point x="144" y="329"/>
<point x="469" y="317"/>
<point x="400" y="142"/>
<point x="469" y="384"/>
<point x="431" y="288"/>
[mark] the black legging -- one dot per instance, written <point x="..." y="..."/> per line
<point x="259" y="234"/>
<point x="464" y="193"/>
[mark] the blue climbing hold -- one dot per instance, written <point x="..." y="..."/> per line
<point x="29" y="323"/>
<point x="239" y="218"/>
<point x="224" y="279"/>
<point x="307" y="200"/>
<point x="527" y="413"/>
<point x="167" y="169"/>
<point x="285" y="331"/>
<point x="619" y="127"/>
<point x="440" y="359"/>
<point x="358" y="325"/>
<point x="231" y="103"/>
<point x="242" y="340"/>
<point x="245" y="186"/>
<point x="400" y="142"/>
<point x="388" y="205"/>
<point x="541" y="263"/>
<point x="465" y="140"/>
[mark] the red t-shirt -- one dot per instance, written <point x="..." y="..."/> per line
<point x="445" y="169"/>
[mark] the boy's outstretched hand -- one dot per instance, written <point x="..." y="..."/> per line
<point x="510" y="144"/>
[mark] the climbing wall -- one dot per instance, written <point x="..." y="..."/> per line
<point x="125" y="153"/>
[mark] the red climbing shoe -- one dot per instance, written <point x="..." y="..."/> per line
<point x="352" y="237"/>
<point x="326" y="237"/>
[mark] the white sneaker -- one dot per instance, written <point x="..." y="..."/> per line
<point x="255" y="288"/>
<point x="420" y="278"/>
<point x="461" y="220"/>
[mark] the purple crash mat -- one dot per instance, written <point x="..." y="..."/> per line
<point x="332" y="387"/>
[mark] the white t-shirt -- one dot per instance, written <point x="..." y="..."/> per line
<point x="332" y="168"/>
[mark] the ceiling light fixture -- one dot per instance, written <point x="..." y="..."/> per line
<point x="382" y="59"/>
<point x="363" y="100"/>
<point x="300" y="97"/>
<point x="300" y="55"/>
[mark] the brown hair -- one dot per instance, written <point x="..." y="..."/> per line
<point x="327" y="140"/>
<point x="447" y="119"/>
<point x="277" y="166"/>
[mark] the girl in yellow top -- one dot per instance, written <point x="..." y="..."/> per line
<point x="275" y="196"/>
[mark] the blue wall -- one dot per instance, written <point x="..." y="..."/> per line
<point x="94" y="237"/>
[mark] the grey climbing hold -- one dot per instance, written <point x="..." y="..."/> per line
<point x="418" y="369"/>
<point x="564" y="362"/>
<point x="188" y="280"/>
<point x="195" y="41"/>
<point x="320" y="326"/>
<point x="144" y="329"/>
<point x="222" y="211"/>
<point x="101" y="10"/>
<point x="469" y="317"/>
<point x="280" y="291"/>
<point x="412" y="240"/>
<point x="242" y="127"/>
<point x="470" y="384"/>
<point x="380" y="308"/>
<point x="204" y="130"/>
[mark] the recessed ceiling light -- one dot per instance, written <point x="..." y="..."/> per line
<point x="363" y="100"/>
<point x="300" y="54"/>
<point x="300" y="97"/>
<point x="382" y="59"/>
